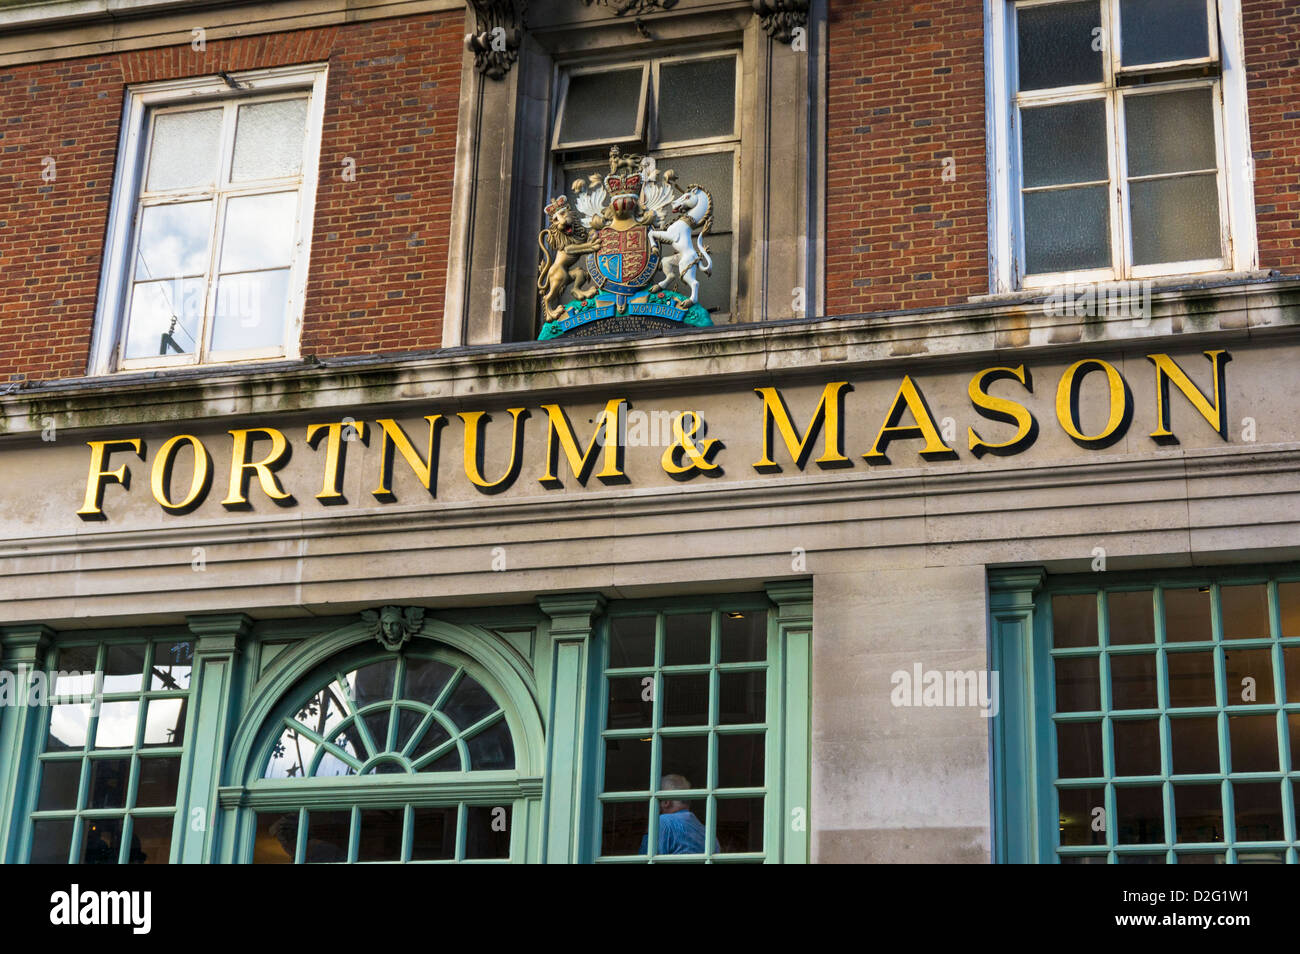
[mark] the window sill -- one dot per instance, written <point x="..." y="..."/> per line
<point x="1166" y="283"/>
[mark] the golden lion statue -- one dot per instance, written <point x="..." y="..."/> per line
<point x="562" y="243"/>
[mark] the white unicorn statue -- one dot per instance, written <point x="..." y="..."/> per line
<point x="686" y="234"/>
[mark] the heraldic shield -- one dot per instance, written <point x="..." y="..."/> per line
<point x="604" y="252"/>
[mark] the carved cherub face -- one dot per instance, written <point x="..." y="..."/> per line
<point x="391" y="622"/>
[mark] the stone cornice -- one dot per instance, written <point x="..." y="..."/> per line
<point x="731" y="356"/>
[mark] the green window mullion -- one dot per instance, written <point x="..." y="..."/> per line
<point x="408" y="832"/>
<point x="300" y="849"/>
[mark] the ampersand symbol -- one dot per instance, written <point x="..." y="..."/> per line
<point x="684" y="457"/>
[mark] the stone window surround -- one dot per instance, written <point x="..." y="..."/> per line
<point x="503" y="156"/>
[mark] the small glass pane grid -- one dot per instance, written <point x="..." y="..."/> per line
<point x="685" y="743"/>
<point x="401" y="715"/>
<point x="108" y="775"/>
<point x="1176" y="723"/>
<point x="432" y="834"/>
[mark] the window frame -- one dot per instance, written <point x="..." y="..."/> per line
<point x="1235" y="182"/>
<point x="115" y="282"/>
<point x="1025" y="783"/>
<point x="648" y="132"/>
<point x="786" y="746"/>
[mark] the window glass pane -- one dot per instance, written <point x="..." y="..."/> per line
<point x="323" y="711"/>
<point x="1066" y="230"/>
<point x="1132" y="619"/>
<point x="108" y="782"/>
<point x="1195" y="745"/>
<point x="1077" y="685"/>
<point x="68" y="726"/>
<point x="171" y="665"/>
<point x="631" y="641"/>
<point x="697" y="99"/>
<point x="627" y="765"/>
<point x="740" y="760"/>
<point x="1175" y="220"/>
<point x="165" y="722"/>
<point x="487" y="831"/>
<point x="435" y="833"/>
<point x="686" y="699"/>
<point x="1170" y="132"/>
<point x="173" y="240"/>
<point x="631" y="702"/>
<point x="1257" y="807"/>
<point x="1078" y="750"/>
<point x="186" y="150"/>
<point x="1074" y="620"/>
<point x="1250" y="676"/>
<point x="1056" y="45"/>
<point x="1133" y="681"/>
<point x="1064" y="144"/>
<point x="685" y="759"/>
<point x="1191" y="679"/>
<point x="327" y="836"/>
<point x="715" y="289"/>
<point x="371" y="683"/>
<point x="742" y="697"/>
<point x="408" y="720"/>
<point x="160" y="308"/>
<point x="102" y="842"/>
<point x="59" y="782"/>
<point x="740" y="824"/>
<point x="331" y="766"/>
<point x="377" y="723"/>
<point x="51" y="841"/>
<point x="1201" y="858"/>
<point x="381" y="834"/>
<point x="1159" y="31"/>
<point x="151" y="841"/>
<point x="686" y="638"/>
<point x="268" y="139"/>
<point x="1187" y="615"/>
<point x="1288" y="595"/>
<point x="82" y="661"/>
<point x="1254" y="743"/>
<point x="434" y="736"/>
<point x="492" y="748"/>
<point x="623" y="825"/>
<point x="156" y="785"/>
<point x="251" y="310"/>
<point x="448" y="762"/>
<point x="1245" y="611"/>
<point x="277" y="838"/>
<point x="1080" y="809"/>
<point x="117" y="722"/>
<point x="714" y="171"/>
<point x="743" y="636"/>
<point x="259" y="231"/>
<point x="1137" y="746"/>
<point x="601" y="106"/>
<point x="1141" y="815"/>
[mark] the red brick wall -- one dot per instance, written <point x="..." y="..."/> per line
<point x="1272" y="31"/>
<point x="378" y="260"/>
<point x="905" y="91"/>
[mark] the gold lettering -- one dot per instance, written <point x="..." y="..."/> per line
<point x="160" y="481"/>
<point x="1067" y="403"/>
<point x="1167" y="371"/>
<point x="776" y="414"/>
<point x="1002" y="410"/>
<point x="98" y="476"/>
<point x="475" y="421"/>
<point x="909" y="398"/>
<point x="331" y="490"/>
<point x="560" y="435"/>
<point x="425" y="470"/>
<point x="240" y="467"/>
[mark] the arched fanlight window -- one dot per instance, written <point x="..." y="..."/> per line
<point x="403" y="714"/>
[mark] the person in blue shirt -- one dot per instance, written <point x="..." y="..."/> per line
<point x="680" y="832"/>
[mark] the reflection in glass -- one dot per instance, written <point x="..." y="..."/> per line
<point x="108" y="783"/>
<point x="469" y="703"/>
<point x="124" y="668"/>
<point x="425" y="679"/>
<point x="259" y="232"/>
<point x="380" y="836"/>
<point x="250" y="310"/>
<point x="80" y="660"/>
<point x="51" y="841"/>
<point x="435" y="833"/>
<point x="151" y="840"/>
<point x="157" y="782"/>
<point x="174" y="308"/>
<point x="276" y="842"/>
<point x="59" y="783"/>
<point x="1079" y="808"/>
<point x="68" y="727"/>
<point x="165" y="722"/>
<point x="103" y="839"/>
<point x="327" y="836"/>
<point x="291" y="755"/>
<point x="492" y="748"/>
<point x="117" y="724"/>
<point x="172" y="662"/>
<point x="373" y="683"/>
<point x="323" y="711"/>
<point x="433" y="737"/>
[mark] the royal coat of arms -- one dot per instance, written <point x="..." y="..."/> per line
<point x="602" y="252"/>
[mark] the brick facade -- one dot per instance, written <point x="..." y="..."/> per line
<point x="379" y="254"/>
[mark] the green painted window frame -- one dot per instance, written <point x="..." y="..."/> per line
<point x="786" y="729"/>
<point x="144" y="697"/>
<point x="1025" y="787"/>
<point x="464" y="789"/>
